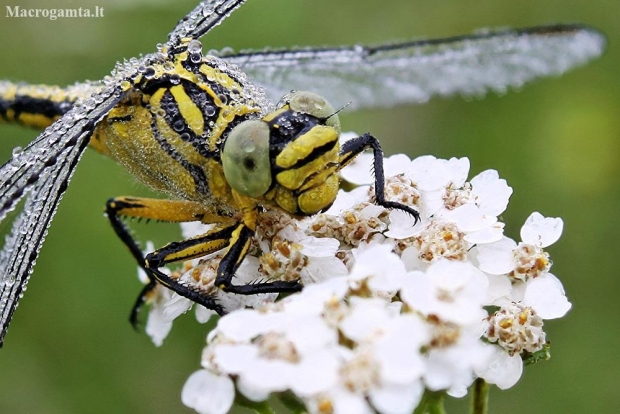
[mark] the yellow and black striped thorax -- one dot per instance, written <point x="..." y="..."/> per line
<point x="169" y="130"/>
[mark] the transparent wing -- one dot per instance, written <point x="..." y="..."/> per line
<point x="202" y="19"/>
<point x="412" y="72"/>
<point x="42" y="172"/>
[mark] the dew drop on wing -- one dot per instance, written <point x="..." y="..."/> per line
<point x="32" y="179"/>
<point x="17" y="151"/>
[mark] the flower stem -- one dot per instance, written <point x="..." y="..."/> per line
<point x="480" y="397"/>
<point x="435" y="405"/>
<point x="431" y="403"/>
<point x="260" y="407"/>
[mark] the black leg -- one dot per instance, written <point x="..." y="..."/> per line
<point x="240" y="243"/>
<point x="113" y="206"/>
<point x="356" y="146"/>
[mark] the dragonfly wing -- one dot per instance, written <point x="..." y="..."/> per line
<point x="413" y="72"/>
<point x="202" y="19"/>
<point x="41" y="171"/>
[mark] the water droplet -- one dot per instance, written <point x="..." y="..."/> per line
<point x="168" y="66"/>
<point x="194" y="46"/>
<point x="178" y="125"/>
<point x="149" y="73"/>
<point x="210" y="110"/>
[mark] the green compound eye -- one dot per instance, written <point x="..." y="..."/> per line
<point x="245" y="158"/>
<point x="312" y="104"/>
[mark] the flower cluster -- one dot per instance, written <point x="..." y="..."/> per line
<point x="391" y="307"/>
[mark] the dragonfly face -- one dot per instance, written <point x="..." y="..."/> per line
<point x="202" y="130"/>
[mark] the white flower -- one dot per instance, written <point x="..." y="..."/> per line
<point x="390" y="306"/>
<point x="527" y="259"/>
<point x="158" y="326"/>
<point x="502" y="369"/>
<point x="452" y="291"/>
<point x="527" y="266"/>
<point x="516" y="328"/>
<point x="202" y="277"/>
<point x="319" y="255"/>
<point x="546" y="295"/>
<point x="429" y="173"/>
<point x="208" y="393"/>
<point x="541" y="231"/>
<point x="384" y="276"/>
<point x="453" y="366"/>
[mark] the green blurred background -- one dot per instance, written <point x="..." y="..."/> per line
<point x="70" y="348"/>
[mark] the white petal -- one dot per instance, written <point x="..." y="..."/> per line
<point x="428" y="173"/>
<point x="499" y="286"/>
<point x="541" y="231"/>
<point x="396" y="164"/>
<point x="496" y="258"/>
<point x="208" y="393"/>
<point x="176" y="306"/>
<point x="251" y="391"/>
<point x="417" y="292"/>
<point x="346" y="402"/>
<point x="546" y="296"/>
<point x="371" y="211"/>
<point x="468" y="217"/>
<point x="316" y="373"/>
<point x="502" y="370"/>
<point x="398" y="350"/>
<point x="431" y="202"/>
<point x="347" y="199"/>
<point x="397" y="399"/>
<point x="489" y="234"/>
<point x="266" y="376"/>
<point x="359" y="171"/>
<point x="204" y="315"/>
<point x="367" y="318"/>
<point x="320" y="269"/>
<point x="459" y="170"/>
<point x="242" y="325"/>
<point x="157" y="325"/>
<point x="233" y="359"/>
<point x="492" y="193"/>
<point x="313" y="297"/>
<point x="402" y="225"/>
<point x="194" y="228"/>
<point x="411" y="259"/>
<point x="310" y="333"/>
<point x="383" y="269"/>
<point x="319" y="246"/>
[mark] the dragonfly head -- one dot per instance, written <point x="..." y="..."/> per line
<point x="289" y="158"/>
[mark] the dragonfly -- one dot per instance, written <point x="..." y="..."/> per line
<point x="206" y="130"/>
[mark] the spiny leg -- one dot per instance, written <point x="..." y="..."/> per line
<point x="210" y="242"/>
<point x="352" y="148"/>
<point x="237" y="250"/>
<point x="237" y="238"/>
<point x="162" y="210"/>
